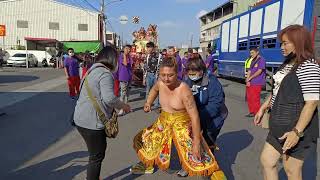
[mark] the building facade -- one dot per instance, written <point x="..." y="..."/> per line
<point x="46" y="19"/>
<point x="210" y="23"/>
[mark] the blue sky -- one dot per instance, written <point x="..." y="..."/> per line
<point x="176" y="19"/>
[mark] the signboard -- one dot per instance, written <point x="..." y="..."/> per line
<point x="2" y="30"/>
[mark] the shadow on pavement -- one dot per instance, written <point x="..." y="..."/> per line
<point x="32" y="126"/>
<point x="137" y="109"/>
<point x="51" y="169"/>
<point x="121" y="173"/>
<point x="230" y="145"/>
<point x="16" y="78"/>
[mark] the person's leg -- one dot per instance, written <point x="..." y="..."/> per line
<point x="250" y="98"/>
<point x="123" y="91"/>
<point x="256" y="92"/>
<point x="71" y="87"/>
<point x="292" y="167"/>
<point x="116" y="87"/>
<point x="96" y="144"/>
<point x="77" y="85"/>
<point x="269" y="158"/>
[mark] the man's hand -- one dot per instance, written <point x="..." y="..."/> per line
<point x="196" y="149"/>
<point x="147" y="107"/>
<point x="258" y="117"/>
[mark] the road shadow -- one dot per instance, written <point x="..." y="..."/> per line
<point x="121" y="173"/>
<point x="16" y="78"/>
<point x="137" y="109"/>
<point x="32" y="126"/>
<point x="137" y="99"/>
<point x="230" y="144"/>
<point x="51" y="168"/>
<point x="309" y="170"/>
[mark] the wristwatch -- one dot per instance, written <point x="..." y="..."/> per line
<point x="299" y="134"/>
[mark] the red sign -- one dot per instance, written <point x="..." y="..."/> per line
<point x="2" y="30"/>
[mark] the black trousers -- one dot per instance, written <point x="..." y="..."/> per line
<point x="210" y="135"/>
<point x="96" y="144"/>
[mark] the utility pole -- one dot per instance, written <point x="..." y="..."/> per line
<point x="102" y="10"/>
<point x="191" y="40"/>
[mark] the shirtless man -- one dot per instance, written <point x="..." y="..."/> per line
<point x="153" y="144"/>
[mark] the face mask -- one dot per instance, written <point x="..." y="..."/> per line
<point x="71" y="54"/>
<point x="194" y="77"/>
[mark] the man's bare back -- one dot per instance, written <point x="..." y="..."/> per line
<point x="171" y="100"/>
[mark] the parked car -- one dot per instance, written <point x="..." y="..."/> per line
<point x="19" y="59"/>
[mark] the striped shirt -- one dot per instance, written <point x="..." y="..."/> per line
<point x="308" y="74"/>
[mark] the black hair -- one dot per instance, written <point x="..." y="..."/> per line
<point x="170" y="62"/>
<point x="128" y="45"/>
<point x="171" y="47"/>
<point x="256" y="49"/>
<point x="185" y="53"/>
<point x="150" y="44"/>
<point x="70" y="49"/>
<point x="108" y="56"/>
<point x="164" y="50"/>
<point x="196" y="64"/>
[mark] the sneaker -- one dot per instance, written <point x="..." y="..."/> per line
<point x="140" y="168"/>
<point x="250" y="115"/>
<point x="182" y="173"/>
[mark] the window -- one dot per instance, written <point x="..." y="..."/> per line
<point x="53" y="25"/>
<point x="218" y="14"/>
<point x="228" y="9"/>
<point x="243" y="45"/>
<point x="22" y="24"/>
<point x="109" y="37"/>
<point x="83" y="27"/>
<point x="269" y="43"/>
<point x="255" y="42"/>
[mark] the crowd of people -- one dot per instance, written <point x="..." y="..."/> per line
<point x="194" y="114"/>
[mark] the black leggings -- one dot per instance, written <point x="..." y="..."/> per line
<point x="96" y="144"/>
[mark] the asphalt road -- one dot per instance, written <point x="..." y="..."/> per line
<point x="37" y="141"/>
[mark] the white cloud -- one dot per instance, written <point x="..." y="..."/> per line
<point x="201" y="13"/>
<point x="168" y="24"/>
<point x="188" y="1"/>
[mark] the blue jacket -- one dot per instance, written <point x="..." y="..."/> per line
<point x="210" y="100"/>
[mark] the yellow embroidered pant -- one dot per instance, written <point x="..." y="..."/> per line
<point x="153" y="146"/>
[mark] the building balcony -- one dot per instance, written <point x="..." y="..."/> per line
<point x="214" y="23"/>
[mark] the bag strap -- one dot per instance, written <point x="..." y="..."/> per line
<point x="94" y="102"/>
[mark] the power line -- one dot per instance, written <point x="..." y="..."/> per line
<point x="90" y="5"/>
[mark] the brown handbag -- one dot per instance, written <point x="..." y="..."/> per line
<point x="111" y="125"/>
<point x="265" y="119"/>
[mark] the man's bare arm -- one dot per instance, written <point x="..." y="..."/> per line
<point x="191" y="107"/>
<point x="154" y="92"/>
<point x="66" y="72"/>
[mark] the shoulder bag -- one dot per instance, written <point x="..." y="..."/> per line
<point x="111" y="125"/>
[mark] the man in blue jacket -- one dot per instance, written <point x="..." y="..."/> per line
<point x="210" y="99"/>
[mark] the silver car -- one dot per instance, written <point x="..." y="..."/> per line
<point x="19" y="59"/>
